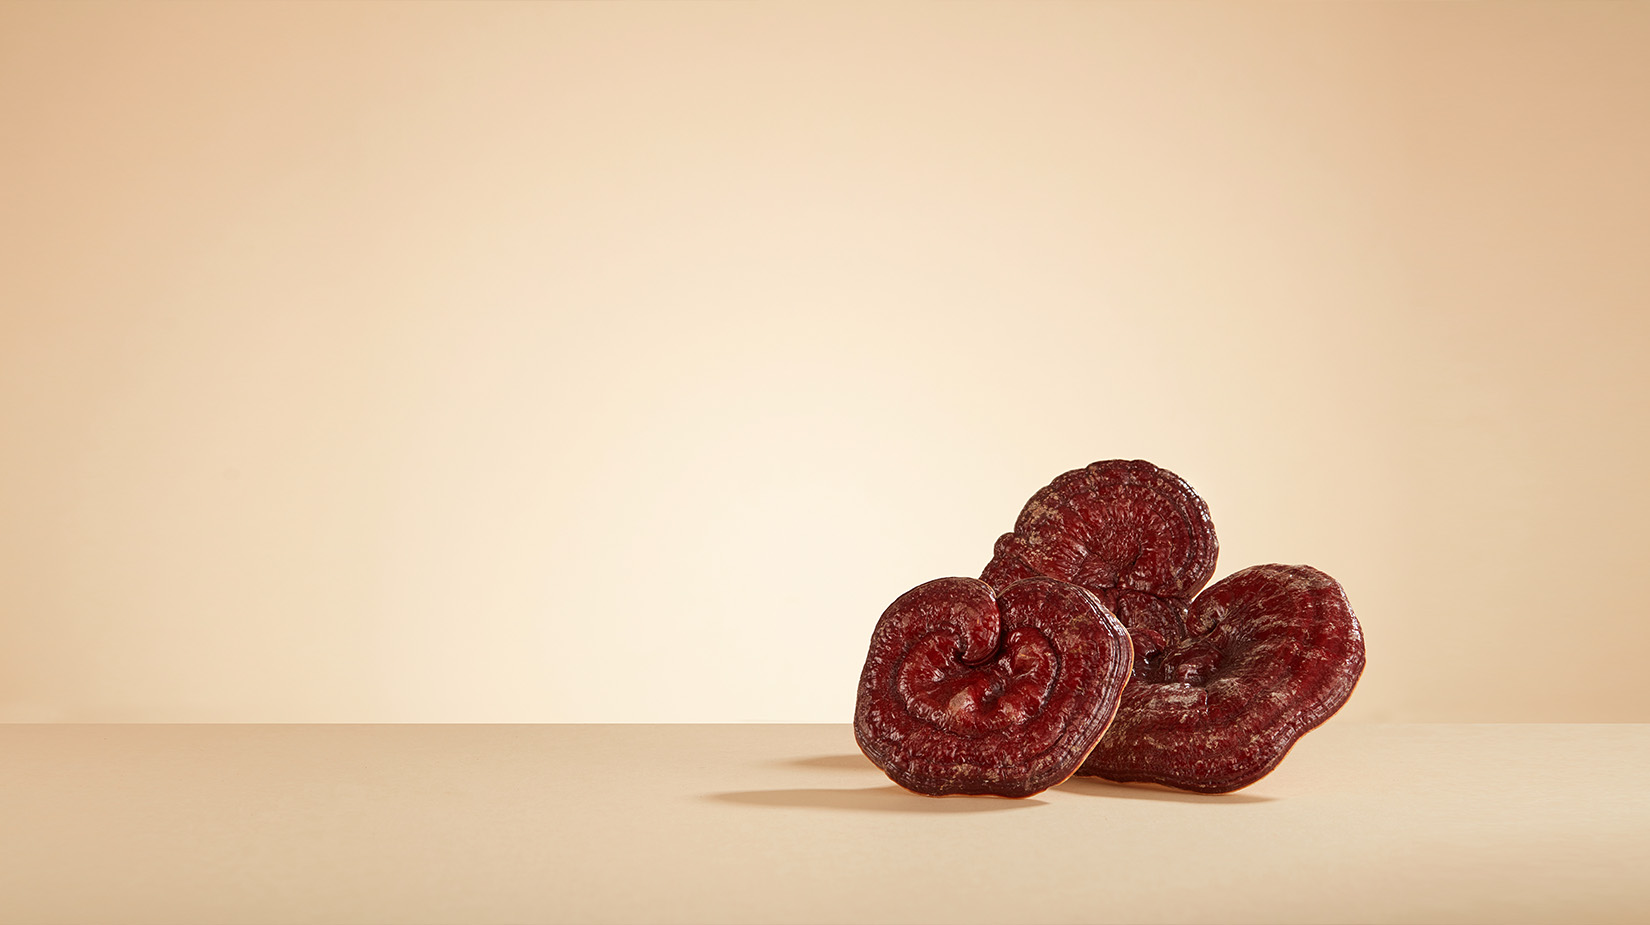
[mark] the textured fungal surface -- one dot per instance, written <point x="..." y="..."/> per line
<point x="968" y="689"/>
<point x="1269" y="653"/>
<point x="1135" y="535"/>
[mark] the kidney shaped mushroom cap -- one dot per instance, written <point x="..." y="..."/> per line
<point x="1270" y="653"/>
<point x="1134" y="534"/>
<point x="968" y="690"/>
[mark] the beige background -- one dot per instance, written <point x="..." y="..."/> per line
<point x="621" y="362"/>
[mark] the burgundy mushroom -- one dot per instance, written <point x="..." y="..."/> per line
<point x="1272" y="651"/>
<point x="967" y="689"/>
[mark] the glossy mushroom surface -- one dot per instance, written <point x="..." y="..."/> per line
<point x="1133" y="534"/>
<point x="1269" y="653"/>
<point x="970" y="690"/>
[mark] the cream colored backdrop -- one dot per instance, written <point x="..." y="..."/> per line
<point x="621" y="362"/>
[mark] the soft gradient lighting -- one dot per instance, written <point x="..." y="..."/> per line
<point x="622" y="362"/>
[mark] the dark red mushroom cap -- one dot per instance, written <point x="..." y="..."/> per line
<point x="1134" y="534"/>
<point x="1271" y="652"/>
<point x="970" y="690"/>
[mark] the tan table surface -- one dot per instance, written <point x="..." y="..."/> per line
<point x="747" y="823"/>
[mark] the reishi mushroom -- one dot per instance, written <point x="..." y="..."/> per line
<point x="1091" y="607"/>
<point x="971" y="690"/>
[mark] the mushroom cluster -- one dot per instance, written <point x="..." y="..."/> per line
<point x="1089" y="645"/>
